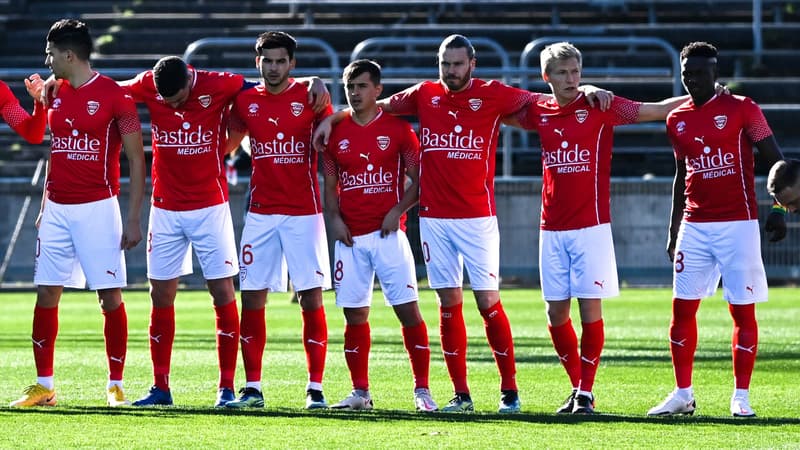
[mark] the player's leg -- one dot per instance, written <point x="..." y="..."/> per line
<point x="226" y="314"/>
<point x="115" y="332"/>
<point x="253" y="338"/>
<point x="445" y="274"/>
<point x="592" y="341"/>
<point x="305" y="248"/>
<point x="695" y="275"/>
<point x="394" y="265"/>
<point x="354" y="278"/>
<point x="744" y="284"/>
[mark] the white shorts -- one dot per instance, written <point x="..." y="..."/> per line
<point x="173" y="234"/>
<point x="271" y="242"/>
<point x="450" y="244"/>
<point x="355" y="268"/>
<point x="578" y="263"/>
<point x="705" y="251"/>
<point x="80" y="243"/>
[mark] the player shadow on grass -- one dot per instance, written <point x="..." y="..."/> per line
<point x="392" y="415"/>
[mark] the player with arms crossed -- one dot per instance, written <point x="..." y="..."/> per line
<point x="576" y="251"/>
<point x="459" y="119"/>
<point x="714" y="195"/>
<point x="284" y="227"/>
<point x="81" y="235"/>
<point x="367" y="198"/>
<point x="30" y="127"/>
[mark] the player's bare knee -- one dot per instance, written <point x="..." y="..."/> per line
<point x="109" y="299"/>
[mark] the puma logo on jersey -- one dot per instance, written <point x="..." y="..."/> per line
<point x="453" y="113"/>
<point x="69" y="121"/>
<point x="180" y="114"/>
<point x="559" y="132"/>
<point x="312" y="341"/>
<point x="680" y="343"/>
<point x="229" y="335"/>
<point x="228" y="262"/>
<point x="750" y="349"/>
<point x="700" y="140"/>
<point x="113" y="274"/>
<point x="749" y="289"/>
<point x="592" y="361"/>
<point x="365" y="156"/>
<point x="273" y="120"/>
<point x="39" y="344"/>
<point x="600" y="283"/>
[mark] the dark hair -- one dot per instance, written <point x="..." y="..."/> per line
<point x="170" y="75"/>
<point x="359" y="66"/>
<point x="276" y="39"/>
<point x="457" y="41"/>
<point x="782" y="175"/>
<point x="699" y="49"/>
<point x="71" y="34"/>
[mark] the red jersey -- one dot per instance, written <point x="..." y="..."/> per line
<point x="577" y="141"/>
<point x="458" y="134"/>
<point x="370" y="161"/>
<point x="86" y="128"/>
<point x="31" y="128"/>
<point x="716" y="142"/>
<point x="284" y="178"/>
<point x="189" y="141"/>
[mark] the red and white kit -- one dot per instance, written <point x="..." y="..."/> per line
<point x="29" y="127"/>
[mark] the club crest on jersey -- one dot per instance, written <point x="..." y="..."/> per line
<point x="297" y="108"/>
<point x="92" y="107"/>
<point x="720" y="121"/>
<point x="344" y="145"/>
<point x="435" y="101"/>
<point x="252" y="108"/>
<point x="581" y="115"/>
<point x="475" y="104"/>
<point x="204" y="100"/>
<point x="383" y="142"/>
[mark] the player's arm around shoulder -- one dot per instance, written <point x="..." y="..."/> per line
<point x="651" y="111"/>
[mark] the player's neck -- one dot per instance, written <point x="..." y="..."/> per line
<point x="80" y="75"/>
<point x="702" y="100"/>
<point x="366" y="116"/>
<point x="275" y="89"/>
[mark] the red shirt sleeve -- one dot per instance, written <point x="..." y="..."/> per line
<point x="31" y="128"/>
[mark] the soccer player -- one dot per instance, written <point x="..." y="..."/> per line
<point x="30" y="127"/>
<point x="284" y="227"/>
<point x="366" y="197"/>
<point x="714" y="223"/>
<point x="576" y="251"/>
<point x="783" y="184"/>
<point x="81" y="234"/>
<point x="459" y="119"/>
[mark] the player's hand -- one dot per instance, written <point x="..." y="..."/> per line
<point x="721" y="89"/>
<point x="131" y="235"/>
<point x="49" y="88"/>
<point x="340" y="231"/>
<point x="671" y="250"/>
<point x="391" y="222"/>
<point x="38" y="220"/>
<point x="776" y="226"/>
<point x="35" y="85"/>
<point x="598" y="98"/>
<point x="322" y="134"/>
<point x="318" y="95"/>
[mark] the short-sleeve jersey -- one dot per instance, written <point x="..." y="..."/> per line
<point x="370" y="162"/>
<point x="284" y="177"/>
<point x="86" y="128"/>
<point x="29" y="127"/>
<point x="716" y="142"/>
<point x="577" y="141"/>
<point x="189" y="141"/>
<point x="458" y="134"/>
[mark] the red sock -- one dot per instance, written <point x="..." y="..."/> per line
<point x="745" y="343"/>
<point x="315" y="341"/>
<point x="115" y="331"/>
<point x="453" y="332"/>
<point x="683" y="339"/>
<point x="227" y="324"/>
<point x="253" y="336"/>
<point x="565" y="341"/>
<point x="592" y="339"/>
<point x="162" y="334"/>
<point x="356" y="352"/>
<point x="416" y="342"/>
<point x="45" y="330"/>
<point x="498" y="333"/>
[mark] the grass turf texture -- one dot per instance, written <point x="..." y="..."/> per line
<point x="635" y="374"/>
